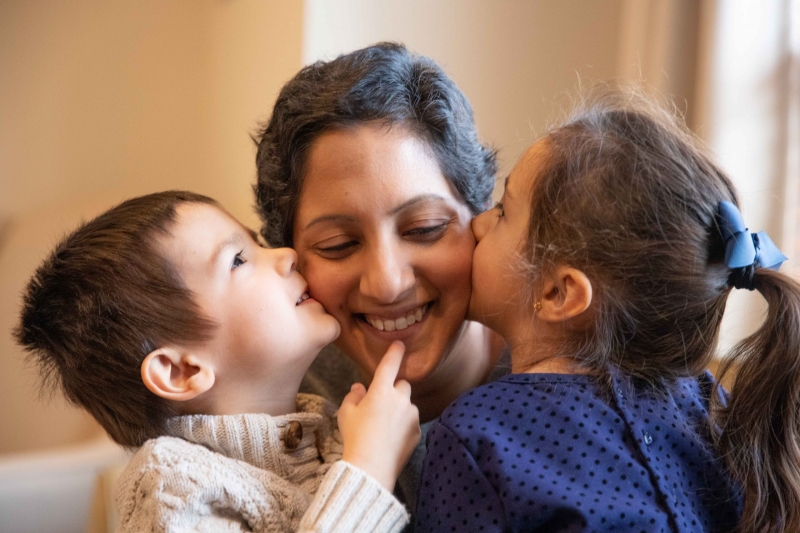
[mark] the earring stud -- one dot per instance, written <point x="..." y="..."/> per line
<point x="537" y="306"/>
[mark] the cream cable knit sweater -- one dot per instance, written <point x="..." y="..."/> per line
<point x="234" y="473"/>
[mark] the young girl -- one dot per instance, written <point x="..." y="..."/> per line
<point x="606" y="268"/>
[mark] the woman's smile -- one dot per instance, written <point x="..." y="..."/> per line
<point x="400" y="321"/>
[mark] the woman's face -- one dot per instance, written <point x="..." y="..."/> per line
<point x="385" y="244"/>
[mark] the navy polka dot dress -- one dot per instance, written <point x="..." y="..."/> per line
<point x="558" y="453"/>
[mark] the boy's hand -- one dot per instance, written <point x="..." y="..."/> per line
<point x="380" y="427"/>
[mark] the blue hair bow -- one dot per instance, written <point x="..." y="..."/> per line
<point x="745" y="251"/>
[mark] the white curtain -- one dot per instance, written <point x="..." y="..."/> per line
<point x="748" y="111"/>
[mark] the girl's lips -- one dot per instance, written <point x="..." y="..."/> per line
<point x="398" y="324"/>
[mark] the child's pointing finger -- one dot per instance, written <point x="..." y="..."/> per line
<point x="386" y="373"/>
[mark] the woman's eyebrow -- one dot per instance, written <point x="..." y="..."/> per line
<point x="424" y="198"/>
<point x="329" y="218"/>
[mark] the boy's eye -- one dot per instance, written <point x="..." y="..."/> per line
<point x="238" y="260"/>
<point x="499" y="207"/>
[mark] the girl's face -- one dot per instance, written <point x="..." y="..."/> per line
<point x="386" y="245"/>
<point x="499" y="282"/>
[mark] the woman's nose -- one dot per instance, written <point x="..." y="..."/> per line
<point x="481" y="224"/>
<point x="387" y="275"/>
<point x="285" y="260"/>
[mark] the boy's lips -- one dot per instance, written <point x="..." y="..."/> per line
<point x="399" y="322"/>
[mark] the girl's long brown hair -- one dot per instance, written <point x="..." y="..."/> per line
<point x="628" y="195"/>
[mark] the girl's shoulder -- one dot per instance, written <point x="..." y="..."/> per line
<point x="521" y="392"/>
<point x="635" y="442"/>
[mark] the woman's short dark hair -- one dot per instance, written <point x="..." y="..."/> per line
<point x="384" y="82"/>
<point x="105" y="298"/>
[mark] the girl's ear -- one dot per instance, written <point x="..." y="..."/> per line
<point x="567" y="294"/>
<point x="176" y="375"/>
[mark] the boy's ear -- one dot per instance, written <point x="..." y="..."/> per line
<point x="566" y="294"/>
<point x="176" y="375"/>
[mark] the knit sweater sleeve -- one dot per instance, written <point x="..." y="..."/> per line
<point x="350" y="500"/>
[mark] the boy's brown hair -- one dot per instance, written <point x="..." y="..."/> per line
<point x="103" y="300"/>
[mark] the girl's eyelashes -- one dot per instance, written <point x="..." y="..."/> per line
<point x="500" y="209"/>
<point x="238" y="260"/>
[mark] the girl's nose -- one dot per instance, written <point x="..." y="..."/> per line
<point x="387" y="275"/>
<point x="482" y="223"/>
<point x="285" y="260"/>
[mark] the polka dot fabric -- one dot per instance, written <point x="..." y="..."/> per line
<point x="557" y="453"/>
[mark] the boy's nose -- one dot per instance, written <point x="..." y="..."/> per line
<point x="286" y="261"/>
<point x="481" y="224"/>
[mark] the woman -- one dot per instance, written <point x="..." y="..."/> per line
<point x="371" y="169"/>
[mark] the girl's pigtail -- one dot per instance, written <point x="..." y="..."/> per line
<point x="758" y="431"/>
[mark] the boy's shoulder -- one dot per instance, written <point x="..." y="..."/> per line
<point x="170" y="480"/>
<point x="168" y="451"/>
<point x="164" y="461"/>
<point x="160" y="469"/>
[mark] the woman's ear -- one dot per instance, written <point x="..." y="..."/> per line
<point x="567" y="294"/>
<point x="176" y="375"/>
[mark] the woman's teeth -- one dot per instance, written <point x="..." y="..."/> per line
<point x="302" y="298"/>
<point x="398" y="323"/>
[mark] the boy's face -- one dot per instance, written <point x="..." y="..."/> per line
<point x="266" y="322"/>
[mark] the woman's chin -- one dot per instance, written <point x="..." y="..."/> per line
<point x="417" y="365"/>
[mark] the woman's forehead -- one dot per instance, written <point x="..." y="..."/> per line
<point x="370" y="167"/>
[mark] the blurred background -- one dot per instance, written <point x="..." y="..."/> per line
<point x="100" y="101"/>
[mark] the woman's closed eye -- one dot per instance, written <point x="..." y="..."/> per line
<point x="336" y="250"/>
<point x="500" y="209"/>
<point x="428" y="232"/>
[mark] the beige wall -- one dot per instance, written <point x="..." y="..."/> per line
<point x="130" y="97"/>
<point x="104" y="100"/>
<point x="510" y="57"/>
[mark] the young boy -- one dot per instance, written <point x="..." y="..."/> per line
<point x="168" y="322"/>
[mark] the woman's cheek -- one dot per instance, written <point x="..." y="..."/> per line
<point x="326" y="284"/>
<point x="459" y="263"/>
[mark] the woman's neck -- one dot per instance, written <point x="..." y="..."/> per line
<point x="470" y="361"/>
